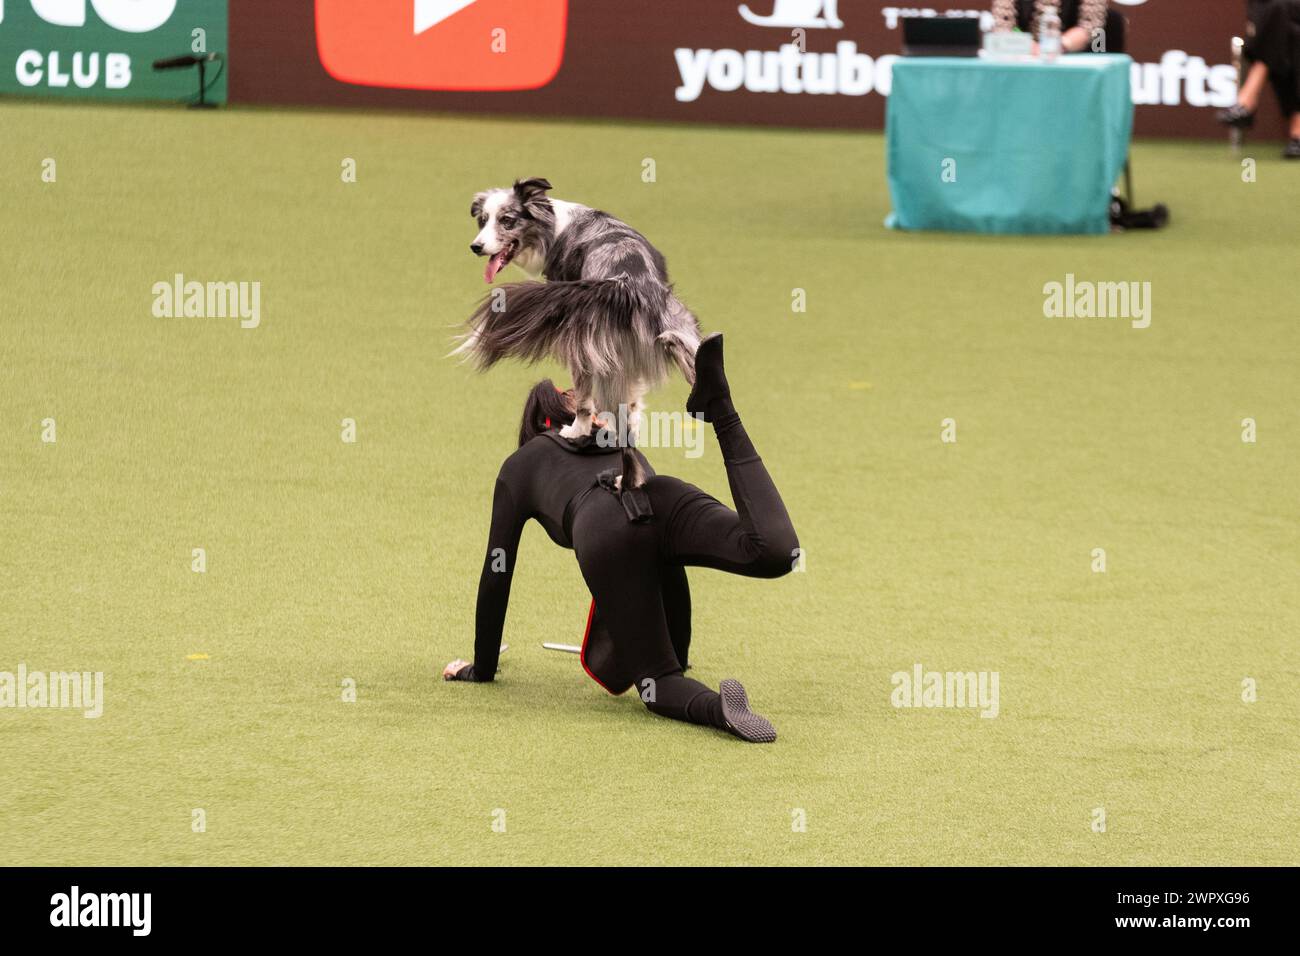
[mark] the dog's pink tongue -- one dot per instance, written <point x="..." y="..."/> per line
<point x="495" y="264"/>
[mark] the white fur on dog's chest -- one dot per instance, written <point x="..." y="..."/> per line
<point x="531" y="261"/>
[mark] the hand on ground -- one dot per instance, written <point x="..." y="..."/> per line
<point x="452" y="670"/>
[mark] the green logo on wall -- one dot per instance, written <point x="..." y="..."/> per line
<point x="106" y="48"/>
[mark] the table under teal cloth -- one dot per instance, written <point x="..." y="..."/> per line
<point x="980" y="145"/>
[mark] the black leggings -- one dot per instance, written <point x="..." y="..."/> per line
<point x="1276" y="44"/>
<point x="636" y="572"/>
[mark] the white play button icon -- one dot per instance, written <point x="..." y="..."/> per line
<point x="429" y="13"/>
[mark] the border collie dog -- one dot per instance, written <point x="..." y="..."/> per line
<point x="607" y="310"/>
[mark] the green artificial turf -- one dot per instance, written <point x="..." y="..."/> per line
<point x="330" y="561"/>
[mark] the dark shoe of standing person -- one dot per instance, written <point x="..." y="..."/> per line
<point x="1236" y="115"/>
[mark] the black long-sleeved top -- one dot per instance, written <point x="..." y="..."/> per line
<point x="545" y="479"/>
<point x="1026" y="14"/>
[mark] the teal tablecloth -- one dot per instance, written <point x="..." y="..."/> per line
<point x="1034" y="147"/>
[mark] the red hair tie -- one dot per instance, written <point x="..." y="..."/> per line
<point x="548" y="423"/>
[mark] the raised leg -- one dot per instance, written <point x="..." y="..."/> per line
<point x="585" y="409"/>
<point x="635" y="406"/>
<point x="633" y="474"/>
<point x="757" y="539"/>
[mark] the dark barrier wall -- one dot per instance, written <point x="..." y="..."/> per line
<point x="716" y="61"/>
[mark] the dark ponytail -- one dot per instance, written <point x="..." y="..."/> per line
<point x="546" y="407"/>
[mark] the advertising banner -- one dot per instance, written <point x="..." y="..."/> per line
<point x="104" y="49"/>
<point x="809" y="63"/>
<point x="812" y="63"/>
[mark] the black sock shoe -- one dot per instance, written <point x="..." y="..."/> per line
<point x="711" y="396"/>
<point x="742" y="721"/>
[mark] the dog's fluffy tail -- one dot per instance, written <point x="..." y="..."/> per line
<point x="533" y="320"/>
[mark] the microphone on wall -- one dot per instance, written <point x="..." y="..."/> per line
<point x="177" y="62"/>
<point x="201" y="60"/>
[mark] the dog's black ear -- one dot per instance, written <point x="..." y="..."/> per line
<point x="476" y="207"/>
<point x="527" y="189"/>
<point x="532" y="197"/>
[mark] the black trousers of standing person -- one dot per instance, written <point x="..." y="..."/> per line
<point x="636" y="572"/>
<point x="1276" y="44"/>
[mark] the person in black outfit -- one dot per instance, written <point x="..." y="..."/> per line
<point x="633" y="554"/>
<point x="1081" y="20"/>
<point x="1273" y="49"/>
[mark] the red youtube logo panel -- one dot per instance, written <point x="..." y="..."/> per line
<point x="442" y="44"/>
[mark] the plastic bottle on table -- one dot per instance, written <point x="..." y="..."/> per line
<point x="1049" y="34"/>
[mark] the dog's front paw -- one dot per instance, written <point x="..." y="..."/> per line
<point x="572" y="432"/>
